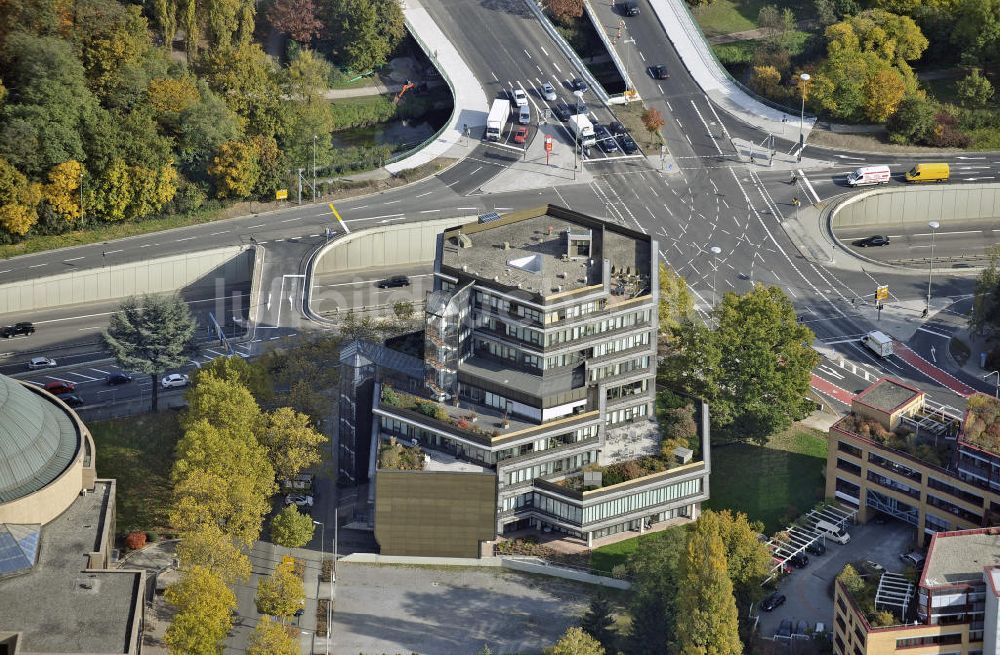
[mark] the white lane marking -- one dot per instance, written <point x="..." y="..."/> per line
<point x="429" y="211"/>
<point x="250" y="227"/>
<point x="213" y="234"/>
<point x="941" y="234"/>
<point x="707" y="130"/>
<point x="111" y="252"/>
<point x="643" y="56"/>
<point x="423" y="194"/>
<point x="185" y="239"/>
<point x="391" y="202"/>
<point x="937" y="334"/>
<point x="544" y="52"/>
<point x="95" y="327"/>
<point x="73" y="259"/>
<point x="557" y="67"/>
<point x="37" y="265"/>
<point x="100" y="371"/>
<point x="358" y="220"/>
<point x="85" y="377"/>
<point x="289" y="220"/>
<point x="495" y="78"/>
<point x="808" y="184"/>
<point x="526" y="52"/>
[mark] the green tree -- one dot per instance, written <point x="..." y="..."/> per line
<point x="291" y="528"/>
<point x="851" y="579"/>
<point x="766" y="362"/>
<point x="985" y="316"/>
<point x="204" y="604"/>
<point x="112" y="42"/>
<point x="18" y="200"/>
<point x="293" y="444"/>
<point x="575" y="642"/>
<point x="913" y="121"/>
<point x="974" y="90"/>
<point x="271" y="638"/>
<point x="707" y="619"/>
<point x="676" y="301"/>
<point x="281" y="593"/>
<point x="364" y="32"/>
<point x="598" y="620"/>
<point x="239" y="371"/>
<point x="883" y="92"/>
<point x="235" y="169"/>
<point x="766" y="80"/>
<point x="747" y="558"/>
<point x="654" y="567"/>
<point x="976" y="30"/>
<point x="248" y="81"/>
<point x="210" y="547"/>
<point x="150" y="334"/>
<point x="62" y="192"/>
<point x="690" y="363"/>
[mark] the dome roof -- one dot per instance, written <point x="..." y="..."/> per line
<point x="38" y="440"/>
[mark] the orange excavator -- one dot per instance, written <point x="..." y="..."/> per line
<point x="406" y="87"/>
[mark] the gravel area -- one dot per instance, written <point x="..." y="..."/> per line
<point x="450" y="610"/>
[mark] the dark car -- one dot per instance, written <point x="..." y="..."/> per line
<point x="16" y="330"/>
<point x="772" y="602"/>
<point x="617" y="129"/>
<point x="876" y="240"/>
<point x="785" y="629"/>
<point x="118" y="378"/>
<point x="801" y="627"/>
<point x="605" y="141"/>
<point x="393" y="282"/>
<point x="59" y="387"/>
<point x="629" y="8"/>
<point x="816" y="548"/>
<point x="562" y="111"/>
<point x="659" y="72"/>
<point x="72" y="400"/>
<point x="579" y="85"/>
<point x="578" y="108"/>
<point x="799" y="560"/>
<point x="629" y="146"/>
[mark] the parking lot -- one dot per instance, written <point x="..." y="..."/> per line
<point x="450" y="610"/>
<point x="808" y="591"/>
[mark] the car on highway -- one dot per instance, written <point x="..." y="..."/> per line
<point x="521" y="135"/>
<point x="115" y="379"/>
<point x="578" y="84"/>
<point x="629" y="8"/>
<point x="548" y="91"/>
<point x="772" y="602"/>
<point x="659" y="72"/>
<point x="605" y="141"/>
<point x="578" y="108"/>
<point x="520" y="98"/>
<point x="562" y="110"/>
<point x="174" y="380"/>
<point x="393" y="282"/>
<point x="872" y="241"/>
<point x="629" y="146"/>
<point x="72" y="400"/>
<point x="17" y="330"/>
<point x="36" y="363"/>
<point x="799" y="560"/>
<point x="299" y="500"/>
<point x="59" y="387"/>
<point x="816" y="548"/>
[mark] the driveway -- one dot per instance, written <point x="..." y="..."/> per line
<point x="808" y="590"/>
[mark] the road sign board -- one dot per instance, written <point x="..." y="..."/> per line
<point x="281" y="194"/>
<point x="882" y="292"/>
<point x="548" y="144"/>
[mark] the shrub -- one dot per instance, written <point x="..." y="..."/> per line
<point x="152" y="537"/>
<point x="946" y="133"/>
<point x="912" y="122"/>
<point x="135" y="540"/>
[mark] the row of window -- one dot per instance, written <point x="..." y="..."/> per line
<point x="621" y="322"/>
<point x="895" y="485"/>
<point x="952" y="490"/>
<point x="952" y="508"/>
<point x="508" y="353"/>
<point x="619" y="368"/>
<point x="934" y="640"/>
<point x="895" y="467"/>
<point x="566" y="464"/>
<point x="499" y="305"/>
<point x="619" y="506"/>
<point x="624" y="343"/>
<point x="845" y="447"/>
<point x="616" y="416"/>
<point x="630" y="389"/>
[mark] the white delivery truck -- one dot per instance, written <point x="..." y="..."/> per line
<point x="497" y="119"/>
<point x="832" y="532"/>
<point x="879" y="343"/>
<point x="583" y="130"/>
<point x="868" y="175"/>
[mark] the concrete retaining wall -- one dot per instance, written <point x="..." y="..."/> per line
<point x="196" y="270"/>
<point x="917" y="205"/>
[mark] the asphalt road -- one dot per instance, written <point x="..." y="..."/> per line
<point x="957" y="244"/>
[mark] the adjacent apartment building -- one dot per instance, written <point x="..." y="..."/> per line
<point x="538" y="368"/>
<point x="954" y="610"/>
<point x="899" y="454"/>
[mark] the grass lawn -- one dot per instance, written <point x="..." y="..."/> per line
<point x="772" y="483"/>
<point x="607" y="557"/>
<point x="728" y="16"/>
<point x="139" y="453"/>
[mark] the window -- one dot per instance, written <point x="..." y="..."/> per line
<point x="895" y="485"/>
<point x="951" y="508"/>
<point x="895" y="467"/>
<point x="627" y="414"/>
<point x="641" y="500"/>
<point x="845" y="447"/>
<point x="940" y="485"/>
<point x="844" y="465"/>
<point x="913" y="642"/>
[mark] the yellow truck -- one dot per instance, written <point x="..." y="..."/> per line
<point x="937" y="172"/>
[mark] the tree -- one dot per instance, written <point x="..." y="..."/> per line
<point x="363" y="32"/>
<point x="851" y="579"/>
<point x="247" y="80"/>
<point x="18" y="200"/>
<point x="985" y="316"/>
<point x="173" y="95"/>
<point x="235" y="169"/>
<point x="62" y="193"/>
<point x="150" y="334"/>
<point x="281" y="593"/>
<point x="653" y="120"/>
<point x="766" y="360"/>
<point x="210" y="547"/>
<point x="766" y="80"/>
<point x="691" y="361"/>
<point x="291" y="528"/>
<point x="654" y="567"/>
<point x="296" y="18"/>
<point x="271" y="638"/>
<point x="112" y="43"/>
<point x="883" y="92"/>
<point x="565" y="11"/>
<point x="974" y="90"/>
<point x="913" y="121"/>
<point x="239" y="371"/>
<point x="976" y="30"/>
<point x="292" y="442"/>
<point x="575" y="642"/>
<point x="204" y="604"/>
<point x="707" y="618"/>
<point x="598" y="620"/>
<point x="747" y="558"/>
<point x="676" y="301"/>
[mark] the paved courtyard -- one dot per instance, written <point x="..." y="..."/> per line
<point x="450" y="610"/>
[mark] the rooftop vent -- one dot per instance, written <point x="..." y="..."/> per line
<point x="683" y="455"/>
<point x="506" y="245"/>
<point x="464" y="241"/>
<point x="531" y="263"/>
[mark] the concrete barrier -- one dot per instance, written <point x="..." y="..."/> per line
<point x="913" y="205"/>
<point x="190" y="271"/>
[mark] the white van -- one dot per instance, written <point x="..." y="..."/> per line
<point x="832" y="532"/>
<point x="524" y="115"/>
<point x="867" y="175"/>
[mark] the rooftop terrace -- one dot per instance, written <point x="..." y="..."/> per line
<point x="888" y="395"/>
<point x="956" y="557"/>
<point x="981" y="427"/>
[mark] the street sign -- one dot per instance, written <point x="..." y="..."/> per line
<point x="882" y="292"/>
<point x="548" y="144"/>
<point x="281" y="194"/>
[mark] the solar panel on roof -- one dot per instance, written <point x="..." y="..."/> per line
<point x="489" y="217"/>
<point x="18" y="548"/>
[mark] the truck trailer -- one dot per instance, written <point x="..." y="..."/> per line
<point x="497" y="119"/>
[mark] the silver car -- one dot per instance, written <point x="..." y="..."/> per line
<point x="548" y="91"/>
<point x="41" y="362"/>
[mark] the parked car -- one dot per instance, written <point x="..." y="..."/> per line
<point x="548" y="91"/>
<point x="785" y="629"/>
<point x="617" y="129"/>
<point x="659" y="72"/>
<point x="299" y="500"/>
<point x="72" y="400"/>
<point x="59" y="387"/>
<point x="629" y="146"/>
<point x="874" y="566"/>
<point x="562" y="111"/>
<point x="629" y="8"/>
<point x="174" y="380"/>
<point x="521" y="135"/>
<point x="393" y="282"/>
<point x="605" y="141"/>
<point x="799" y="560"/>
<point x="36" y="363"/>
<point x="786" y="568"/>
<point x="816" y="548"/>
<point x="579" y="85"/>
<point x="876" y="240"/>
<point x="118" y="378"/>
<point x="520" y="98"/>
<point x="913" y="558"/>
<point x="772" y="602"/>
<point x="17" y="330"/>
<point x="801" y="627"/>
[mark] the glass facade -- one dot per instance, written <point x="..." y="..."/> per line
<point x="575" y="512"/>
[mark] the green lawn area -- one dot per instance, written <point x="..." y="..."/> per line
<point x="606" y="558"/>
<point x="728" y="16"/>
<point x="773" y="483"/>
<point x="139" y="453"/>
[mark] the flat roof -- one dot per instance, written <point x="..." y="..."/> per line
<point x="59" y="606"/>
<point x="961" y="557"/>
<point x="888" y="395"/>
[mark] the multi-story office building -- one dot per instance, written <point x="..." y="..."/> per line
<point x="539" y="361"/>
<point x="953" y="612"/>
<point x="898" y="454"/>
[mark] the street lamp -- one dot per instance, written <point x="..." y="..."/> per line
<point x="989" y="375"/>
<point x="314" y="167"/>
<point x="802" y="115"/>
<point x="934" y="225"/>
<point x="715" y="250"/>
<point x="576" y="132"/>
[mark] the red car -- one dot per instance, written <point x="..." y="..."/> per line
<point x="521" y="135"/>
<point x="59" y="387"/>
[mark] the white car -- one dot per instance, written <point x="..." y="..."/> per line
<point x="520" y="98"/>
<point x="41" y="362"/>
<point x="548" y="91"/>
<point x="299" y="500"/>
<point x="174" y="380"/>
